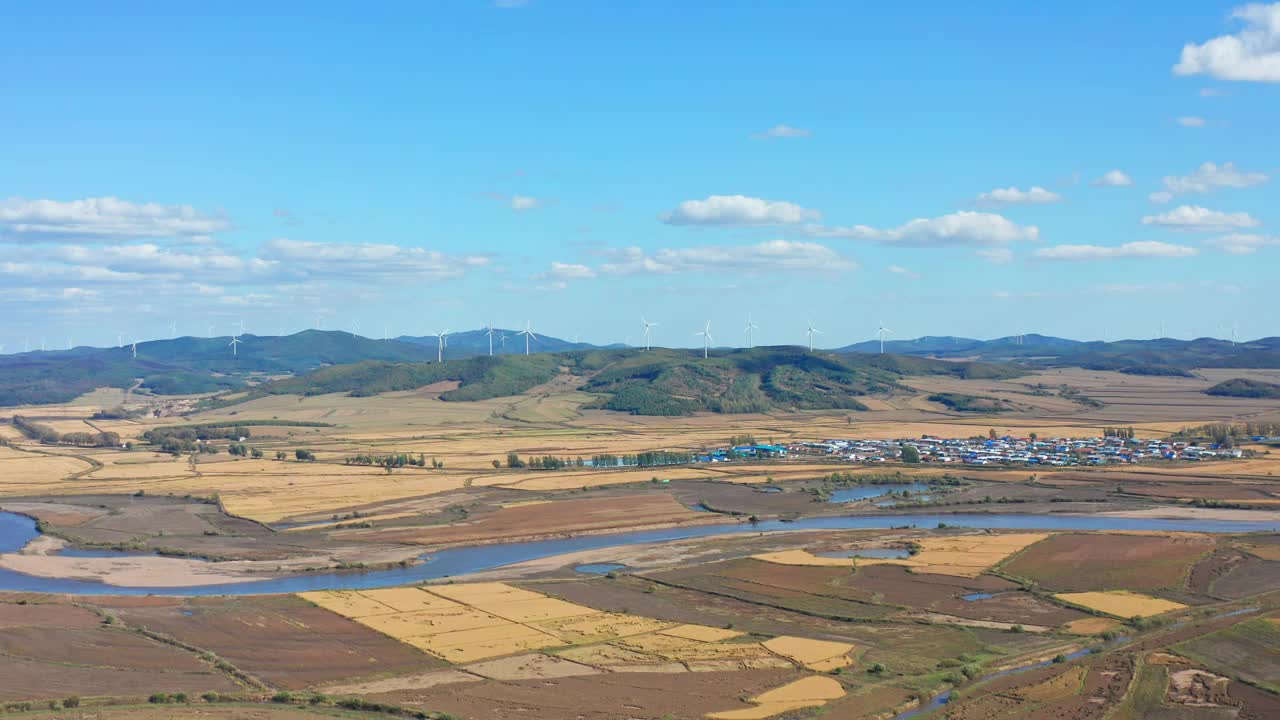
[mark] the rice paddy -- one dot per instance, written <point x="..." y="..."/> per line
<point x="1121" y="604"/>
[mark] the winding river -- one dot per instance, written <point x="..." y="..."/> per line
<point x="17" y="530"/>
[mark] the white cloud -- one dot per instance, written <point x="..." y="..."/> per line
<point x="1114" y="178"/>
<point x="1161" y="197"/>
<point x="1252" y="54"/>
<point x="1135" y="250"/>
<point x="738" y="211"/>
<point x="782" y="131"/>
<point x="1197" y="219"/>
<point x="1243" y="243"/>
<point x="766" y="257"/>
<point x="904" y="272"/>
<point x="366" y="260"/>
<point x="102" y="218"/>
<point x="961" y="229"/>
<point x="1192" y="121"/>
<point x="570" y="271"/>
<point x="1013" y="196"/>
<point x="520" y="203"/>
<point x="1209" y="176"/>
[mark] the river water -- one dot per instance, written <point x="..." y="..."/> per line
<point x="16" y="531"/>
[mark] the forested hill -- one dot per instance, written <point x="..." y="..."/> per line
<point x="656" y="382"/>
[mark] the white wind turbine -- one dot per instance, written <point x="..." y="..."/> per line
<point x="751" y="327"/>
<point x="488" y="331"/>
<point x="883" y="332"/>
<point x="209" y="330"/>
<point x="133" y="345"/>
<point x="503" y="340"/>
<point x="235" y="345"/>
<point x="119" y="339"/>
<point x="173" y="329"/>
<point x="706" y="339"/>
<point x="527" y="332"/>
<point x="647" y="325"/>
<point x="811" y="332"/>
<point x="42" y="346"/>
<point x="440" y="337"/>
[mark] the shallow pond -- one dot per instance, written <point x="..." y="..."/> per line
<point x="887" y="553"/>
<point x="16" y="531"/>
<point x="866" y="492"/>
<point x="600" y="568"/>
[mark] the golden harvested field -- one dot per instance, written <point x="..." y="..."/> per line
<point x="807" y="692"/>
<point x="470" y="622"/>
<point x="1091" y="626"/>
<point x="1122" y="604"/>
<point x="803" y="557"/>
<point x="965" y="556"/>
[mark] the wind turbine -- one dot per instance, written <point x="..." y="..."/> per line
<point x="488" y="331"/>
<point x="503" y="340"/>
<point x="647" y="325"/>
<point x="26" y="344"/>
<point x="42" y="344"/>
<point x="1233" y="335"/>
<point x="811" y="332"/>
<point x="706" y="339"/>
<point x="234" y="345"/>
<point x="119" y="339"/>
<point x="440" y="348"/>
<point x="751" y="326"/>
<point x="319" y="321"/>
<point x="527" y="332"/>
<point x="882" y="332"/>
<point x="384" y="333"/>
<point x="209" y="330"/>
<point x="173" y="329"/>
<point x="133" y="345"/>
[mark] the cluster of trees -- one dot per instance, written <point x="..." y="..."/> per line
<point x="1223" y="433"/>
<point x="158" y="436"/>
<point x="396" y="460"/>
<point x="1124" y="433"/>
<point x="969" y="403"/>
<point x="300" y="454"/>
<point x="49" y="436"/>
<point x="650" y="458"/>
<point x="244" y="451"/>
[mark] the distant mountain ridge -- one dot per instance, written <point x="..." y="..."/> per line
<point x="199" y="365"/>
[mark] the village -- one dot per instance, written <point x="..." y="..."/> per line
<point x="990" y="450"/>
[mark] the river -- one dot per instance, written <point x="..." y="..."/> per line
<point x="16" y="531"/>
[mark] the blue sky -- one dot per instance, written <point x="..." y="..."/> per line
<point x="1086" y="169"/>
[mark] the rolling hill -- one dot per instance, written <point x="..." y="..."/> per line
<point x="657" y="382"/>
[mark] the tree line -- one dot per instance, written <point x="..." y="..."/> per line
<point x="49" y="436"/>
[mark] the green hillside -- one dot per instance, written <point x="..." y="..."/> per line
<point x="657" y="382"/>
<point x="1245" y="388"/>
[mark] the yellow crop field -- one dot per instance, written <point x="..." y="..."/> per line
<point x="814" y="691"/>
<point x="23" y="475"/>
<point x="965" y="556"/>
<point x="702" y="633"/>
<point x="803" y="557"/>
<point x="1121" y="603"/>
<point x="1091" y="626"/>
<point x="819" y="655"/>
<point x="599" y="628"/>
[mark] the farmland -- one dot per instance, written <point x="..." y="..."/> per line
<point x="848" y="623"/>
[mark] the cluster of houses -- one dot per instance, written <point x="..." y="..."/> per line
<point x="1007" y="450"/>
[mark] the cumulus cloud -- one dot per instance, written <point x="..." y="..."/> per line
<point x="782" y="131"/>
<point x="1209" y="176"/>
<point x="768" y="256"/>
<point x="1243" y="243"/>
<point x="961" y="229"/>
<point x="1014" y="196"/>
<point x="1198" y="219"/>
<point x="1161" y="197"/>
<point x="1134" y="250"/>
<point x="570" y="271"/>
<point x="738" y="211"/>
<point x="366" y="260"/>
<point x="1252" y="54"/>
<point x="1114" y="178"/>
<point x="105" y="218"/>
<point x="1192" y="121"/>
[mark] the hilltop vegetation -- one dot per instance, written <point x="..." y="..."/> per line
<point x="1245" y="388"/>
<point x="657" y="382"/>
